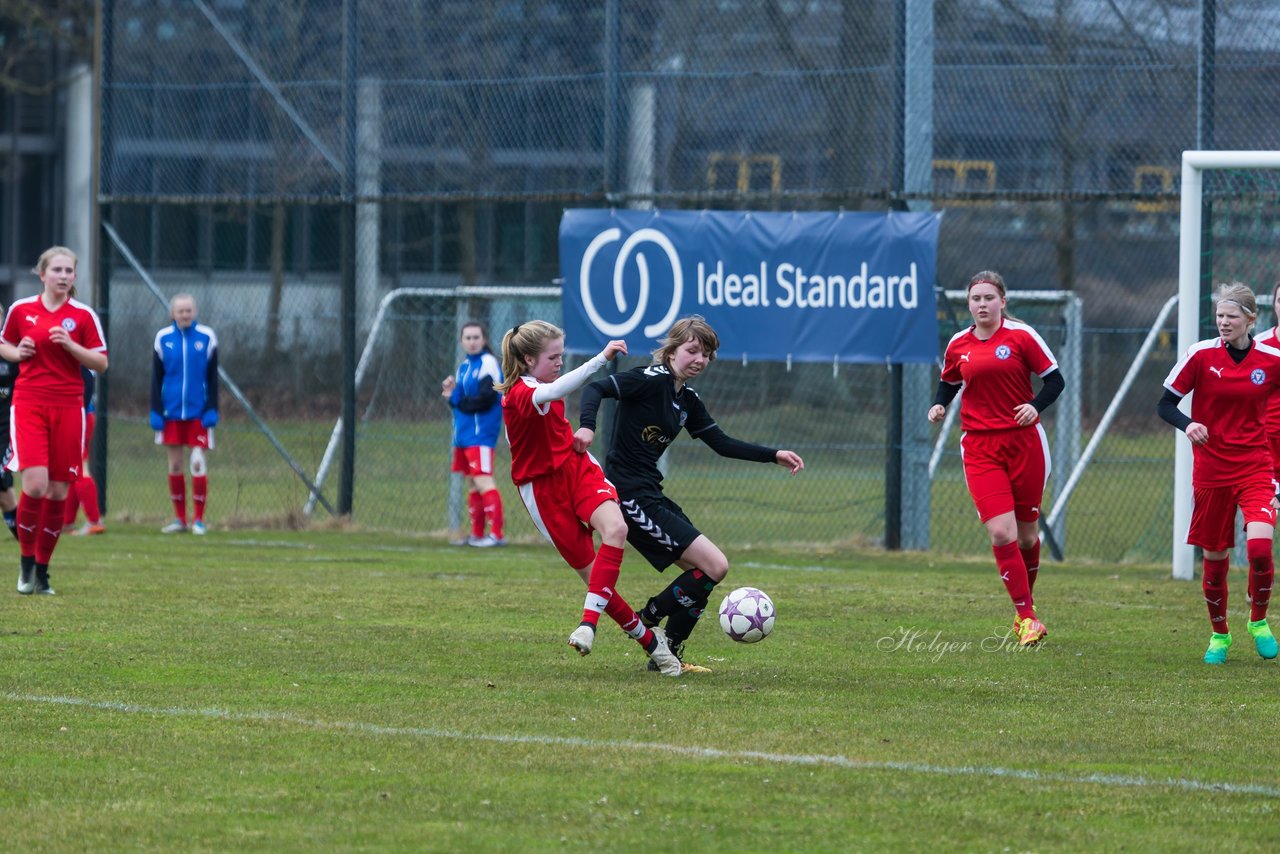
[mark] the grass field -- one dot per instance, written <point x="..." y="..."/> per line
<point x="342" y="690"/>
<point x="1121" y="511"/>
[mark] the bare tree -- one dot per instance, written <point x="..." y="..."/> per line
<point x="29" y="29"/>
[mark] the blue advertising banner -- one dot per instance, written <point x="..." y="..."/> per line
<point x="852" y="287"/>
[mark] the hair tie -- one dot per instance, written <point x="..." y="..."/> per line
<point x="515" y="329"/>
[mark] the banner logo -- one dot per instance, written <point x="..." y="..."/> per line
<point x="643" y="235"/>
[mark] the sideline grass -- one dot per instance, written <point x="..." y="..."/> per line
<point x="344" y="690"/>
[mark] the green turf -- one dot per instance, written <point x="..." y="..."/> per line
<point x="340" y="690"/>
<point x="1121" y="511"/>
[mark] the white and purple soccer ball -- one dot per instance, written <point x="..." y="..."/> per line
<point x="747" y="615"/>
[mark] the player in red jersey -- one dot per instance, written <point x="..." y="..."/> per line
<point x="51" y="335"/>
<point x="1233" y="377"/>
<point x="565" y="491"/>
<point x="1004" y="447"/>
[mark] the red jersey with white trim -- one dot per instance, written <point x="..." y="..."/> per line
<point x="1231" y="401"/>
<point x="995" y="374"/>
<point x="52" y="376"/>
<point x="541" y="438"/>
<point x="1271" y="339"/>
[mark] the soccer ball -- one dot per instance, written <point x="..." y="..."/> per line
<point x="747" y="614"/>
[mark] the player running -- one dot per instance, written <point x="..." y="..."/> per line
<point x="1233" y="377"/>
<point x="565" y="491"/>
<point x="656" y="403"/>
<point x="1005" y="450"/>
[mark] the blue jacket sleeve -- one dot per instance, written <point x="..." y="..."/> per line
<point x="157" y="381"/>
<point x="211" y="383"/>
<point x="482" y="401"/>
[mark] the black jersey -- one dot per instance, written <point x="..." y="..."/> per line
<point x="651" y="414"/>
<point x="8" y="374"/>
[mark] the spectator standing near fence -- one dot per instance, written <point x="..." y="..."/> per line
<point x="1233" y="377"/>
<point x="565" y="491"/>
<point x="656" y="403"/>
<point x="477" y="421"/>
<point x="1004" y="446"/>
<point x="184" y="407"/>
<point x="52" y="335"/>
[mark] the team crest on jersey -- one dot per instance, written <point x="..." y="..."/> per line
<point x="199" y="345"/>
<point x="1258" y="376"/>
<point x="68" y="324"/>
<point x="1003" y="352"/>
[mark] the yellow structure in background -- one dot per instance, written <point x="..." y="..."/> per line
<point x="1145" y="179"/>
<point x="966" y="176"/>
<point x="747" y="164"/>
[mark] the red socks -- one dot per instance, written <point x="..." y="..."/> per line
<point x="1013" y="572"/>
<point x="50" y="528"/>
<point x="178" y="493"/>
<point x="1031" y="557"/>
<point x="604" y="577"/>
<point x="29" y="510"/>
<point x="199" y="491"/>
<point x="1262" y="571"/>
<point x="86" y="490"/>
<point x="1215" y="592"/>
<point x="491" y="503"/>
<point x="475" y="509"/>
<point x="485" y="507"/>
<point x="83" y="491"/>
<point x="628" y="620"/>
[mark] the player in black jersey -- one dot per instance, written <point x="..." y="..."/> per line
<point x="8" y="501"/>
<point x="655" y="404"/>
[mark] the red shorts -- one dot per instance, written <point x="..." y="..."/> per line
<point x="190" y="433"/>
<point x="1006" y="470"/>
<point x="1273" y="439"/>
<point x="561" y="504"/>
<point x="473" y="461"/>
<point x="48" y="436"/>
<point x="1213" y="514"/>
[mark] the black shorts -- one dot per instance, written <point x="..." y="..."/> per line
<point x="658" y="529"/>
<point x="6" y="476"/>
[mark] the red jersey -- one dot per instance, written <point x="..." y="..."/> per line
<point x="52" y="376"/>
<point x="541" y="438"/>
<point x="1270" y="339"/>
<point x="1231" y="401"/>
<point x="995" y="374"/>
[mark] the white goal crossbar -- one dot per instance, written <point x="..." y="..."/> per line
<point x="1194" y="164"/>
<point x="366" y="356"/>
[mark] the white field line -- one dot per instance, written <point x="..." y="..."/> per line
<point x="377" y="730"/>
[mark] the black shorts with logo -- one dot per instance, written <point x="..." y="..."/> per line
<point x="658" y="529"/>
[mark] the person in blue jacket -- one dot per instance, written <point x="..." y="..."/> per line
<point x="184" y="406"/>
<point x="477" y="421"/>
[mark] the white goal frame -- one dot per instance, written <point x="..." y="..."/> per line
<point x="1194" y="164"/>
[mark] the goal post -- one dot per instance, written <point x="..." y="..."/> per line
<point x="1190" y="252"/>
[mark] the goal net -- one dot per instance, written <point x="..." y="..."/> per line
<point x="1239" y="192"/>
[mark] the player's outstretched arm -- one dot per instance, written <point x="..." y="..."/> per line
<point x="577" y="378"/>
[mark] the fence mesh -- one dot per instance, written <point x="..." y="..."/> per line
<point x="1056" y="130"/>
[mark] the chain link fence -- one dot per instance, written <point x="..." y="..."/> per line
<point x="1055" y="131"/>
